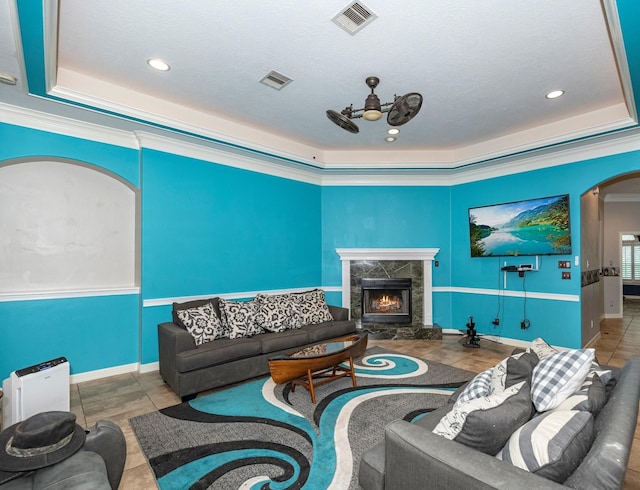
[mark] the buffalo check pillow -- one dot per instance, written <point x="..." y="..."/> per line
<point x="558" y="376"/>
<point x="477" y="387"/>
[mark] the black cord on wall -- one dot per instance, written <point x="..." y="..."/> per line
<point x="524" y="324"/>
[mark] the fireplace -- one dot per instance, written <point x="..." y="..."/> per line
<point x="386" y="300"/>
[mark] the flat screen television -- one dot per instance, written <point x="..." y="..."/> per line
<point x="532" y="227"/>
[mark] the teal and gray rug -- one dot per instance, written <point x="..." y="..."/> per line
<point x="259" y="435"/>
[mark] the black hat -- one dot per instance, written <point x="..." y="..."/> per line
<point x="41" y="440"/>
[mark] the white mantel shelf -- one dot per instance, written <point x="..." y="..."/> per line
<point x="425" y="254"/>
<point x="387" y="253"/>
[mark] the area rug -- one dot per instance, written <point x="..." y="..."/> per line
<point x="259" y="435"/>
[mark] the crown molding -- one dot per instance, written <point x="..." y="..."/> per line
<point x="622" y="141"/>
<point x="200" y="151"/>
<point x="66" y="126"/>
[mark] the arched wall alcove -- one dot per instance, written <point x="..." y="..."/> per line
<point x="66" y="226"/>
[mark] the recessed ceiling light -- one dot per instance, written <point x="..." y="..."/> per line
<point x="390" y="139"/>
<point x="158" y="64"/>
<point x="8" y="78"/>
<point x="393" y="131"/>
<point x="554" y="94"/>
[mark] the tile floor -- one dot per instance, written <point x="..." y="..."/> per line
<point x="121" y="397"/>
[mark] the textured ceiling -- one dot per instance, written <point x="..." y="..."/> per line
<point x="482" y="67"/>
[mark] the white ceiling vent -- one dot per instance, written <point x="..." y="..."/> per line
<point x="354" y="17"/>
<point x="276" y="80"/>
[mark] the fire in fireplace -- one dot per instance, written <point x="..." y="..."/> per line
<point x="386" y="300"/>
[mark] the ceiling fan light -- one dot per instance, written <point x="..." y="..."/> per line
<point x="372" y="109"/>
<point x="372" y="115"/>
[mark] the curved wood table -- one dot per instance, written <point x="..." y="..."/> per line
<point x="318" y="364"/>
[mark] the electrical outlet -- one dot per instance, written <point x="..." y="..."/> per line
<point x="566" y="275"/>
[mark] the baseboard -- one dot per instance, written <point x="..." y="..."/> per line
<point x="103" y="373"/>
<point x="613" y="315"/>
<point x="595" y="338"/>
<point x="149" y="367"/>
<point x="500" y="340"/>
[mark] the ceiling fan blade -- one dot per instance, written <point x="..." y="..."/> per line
<point x="343" y="121"/>
<point x="404" y="109"/>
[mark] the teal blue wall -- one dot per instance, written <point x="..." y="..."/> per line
<point x="207" y="228"/>
<point x="92" y="333"/>
<point x="437" y="217"/>
<point x="387" y="217"/>
<point x="210" y="229"/>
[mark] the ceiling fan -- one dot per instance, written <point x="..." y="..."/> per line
<point x="399" y="112"/>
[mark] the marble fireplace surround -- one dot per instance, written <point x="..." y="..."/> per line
<point x="426" y="255"/>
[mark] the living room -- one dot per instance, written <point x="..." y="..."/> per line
<point x="200" y="217"/>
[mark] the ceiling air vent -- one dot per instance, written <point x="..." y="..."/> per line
<point x="354" y="18"/>
<point x="276" y="80"/>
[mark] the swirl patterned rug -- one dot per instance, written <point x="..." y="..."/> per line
<point x="259" y="435"/>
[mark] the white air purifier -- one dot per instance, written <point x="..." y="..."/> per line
<point x="39" y="388"/>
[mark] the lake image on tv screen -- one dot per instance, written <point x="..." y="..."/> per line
<point x="533" y="227"/>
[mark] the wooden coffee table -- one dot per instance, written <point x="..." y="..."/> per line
<point x="319" y="364"/>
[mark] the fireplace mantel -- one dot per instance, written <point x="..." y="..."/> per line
<point x="425" y="254"/>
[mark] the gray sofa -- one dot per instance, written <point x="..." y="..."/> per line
<point x="97" y="466"/>
<point x="191" y="369"/>
<point x="412" y="456"/>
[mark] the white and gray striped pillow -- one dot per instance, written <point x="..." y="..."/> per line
<point x="552" y="444"/>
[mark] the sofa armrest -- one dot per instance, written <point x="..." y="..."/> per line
<point x="107" y="440"/>
<point x="172" y="340"/>
<point x="417" y="458"/>
<point x="339" y="313"/>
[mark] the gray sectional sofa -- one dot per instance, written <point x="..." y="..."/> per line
<point x="190" y="369"/>
<point x="412" y="456"/>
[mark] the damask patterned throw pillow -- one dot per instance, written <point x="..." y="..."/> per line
<point x="202" y="323"/>
<point x="277" y="313"/>
<point x="239" y="317"/>
<point x="312" y="307"/>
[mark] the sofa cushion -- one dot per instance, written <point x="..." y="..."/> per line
<point x="202" y="323"/>
<point x="329" y="330"/>
<point x="221" y="351"/>
<point x="486" y="423"/>
<point x="278" y="312"/>
<point x="312" y="306"/>
<point x="239" y="317"/>
<point x="591" y="396"/>
<point x="605" y="375"/>
<point x="551" y="445"/>
<point x="479" y="386"/>
<point x="278" y="341"/>
<point x="513" y="370"/>
<point x="558" y="376"/>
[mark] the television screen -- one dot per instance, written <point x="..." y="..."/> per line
<point x="531" y="227"/>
